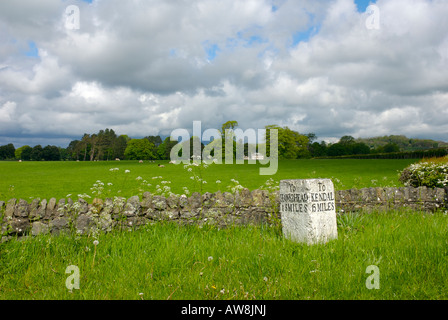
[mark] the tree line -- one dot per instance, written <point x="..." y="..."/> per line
<point x="347" y="145"/>
<point x="101" y="146"/>
<point x="106" y="145"/>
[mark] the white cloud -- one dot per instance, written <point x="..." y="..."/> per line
<point x="143" y="67"/>
<point x="7" y="111"/>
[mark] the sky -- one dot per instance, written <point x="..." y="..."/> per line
<point x="333" y="67"/>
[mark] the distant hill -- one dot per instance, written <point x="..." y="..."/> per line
<point x="405" y="143"/>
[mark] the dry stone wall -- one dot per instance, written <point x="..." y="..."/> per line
<point x="19" y="217"/>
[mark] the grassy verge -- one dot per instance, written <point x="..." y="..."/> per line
<point x="167" y="261"/>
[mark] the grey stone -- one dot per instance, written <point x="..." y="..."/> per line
<point x="172" y="201"/>
<point x="260" y="198"/>
<point x="50" y="212"/>
<point x="187" y="213"/>
<point x="34" y="210"/>
<point x="39" y="228"/>
<point x="108" y="207"/>
<point x="51" y="204"/>
<point x="146" y="201"/>
<point x="195" y="201"/>
<point x="207" y="200"/>
<point x="183" y="201"/>
<point x="84" y="223"/>
<point x="19" y="226"/>
<point x="159" y="202"/>
<point x="136" y="221"/>
<point x="132" y="206"/>
<point x="60" y="208"/>
<point x="119" y="204"/>
<point x="42" y="208"/>
<point x="308" y="210"/>
<point x="105" y="221"/>
<point x="21" y="209"/>
<point x="246" y="198"/>
<point x="58" y="224"/>
<point x="10" y="207"/>
<point x="229" y="199"/>
<point x="83" y="206"/>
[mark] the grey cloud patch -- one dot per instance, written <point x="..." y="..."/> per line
<point x="143" y="68"/>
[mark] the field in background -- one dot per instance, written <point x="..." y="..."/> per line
<point x="29" y="180"/>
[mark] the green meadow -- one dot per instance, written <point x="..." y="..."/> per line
<point x="409" y="251"/>
<point x="45" y="180"/>
<point x="379" y="255"/>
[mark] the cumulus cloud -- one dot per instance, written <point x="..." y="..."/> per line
<point x="148" y="67"/>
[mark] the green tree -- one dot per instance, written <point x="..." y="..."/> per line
<point x="120" y="146"/>
<point x="85" y="144"/>
<point x="291" y="144"/>
<point x="106" y="140"/>
<point x="51" y="153"/>
<point x="7" y="152"/>
<point x="36" y="153"/>
<point x="164" y="149"/>
<point x="360" y="148"/>
<point x="26" y="153"/>
<point x="318" y="149"/>
<point x="347" y="140"/>
<point x="18" y="152"/>
<point x="228" y="126"/>
<point x="336" y="149"/>
<point x="93" y="140"/>
<point x="74" y="149"/>
<point x="139" y="149"/>
<point x="156" y="142"/>
<point x="391" y="147"/>
<point x="64" y="155"/>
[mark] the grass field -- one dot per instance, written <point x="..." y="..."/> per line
<point x="168" y="261"/>
<point x="59" y="179"/>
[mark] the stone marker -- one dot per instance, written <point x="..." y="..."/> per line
<point x="308" y="210"/>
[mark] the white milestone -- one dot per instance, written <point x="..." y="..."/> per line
<point x="308" y="210"/>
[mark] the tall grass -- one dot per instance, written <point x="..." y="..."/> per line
<point x="169" y="261"/>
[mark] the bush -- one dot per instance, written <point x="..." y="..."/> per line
<point x="432" y="173"/>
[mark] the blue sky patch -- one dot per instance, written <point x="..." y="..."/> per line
<point x="363" y="4"/>
<point x="304" y="35"/>
<point x="211" y="50"/>
<point x="32" y="50"/>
